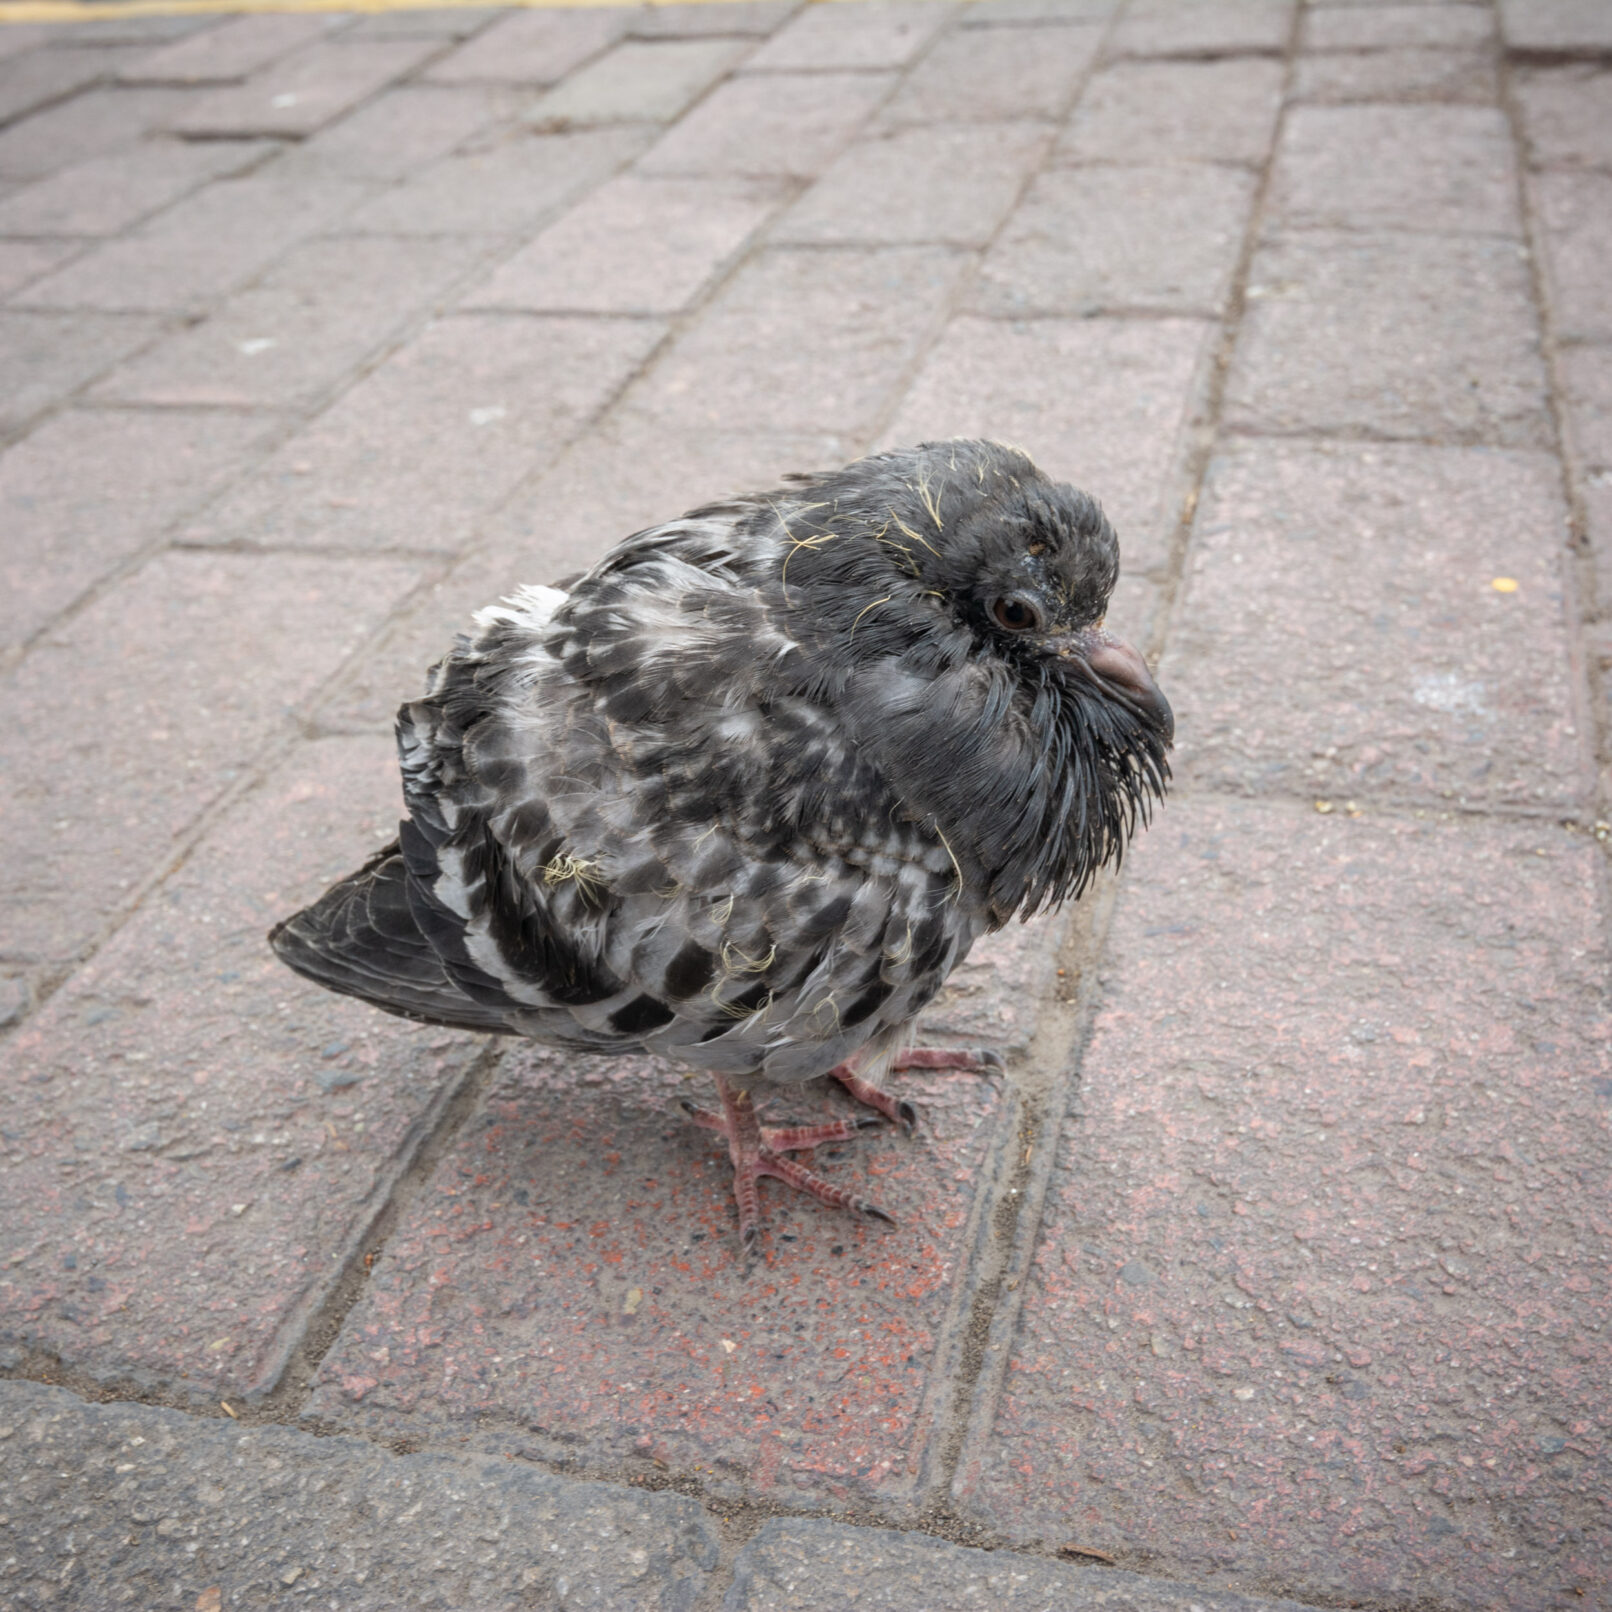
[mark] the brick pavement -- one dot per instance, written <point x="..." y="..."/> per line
<point x="1274" y="1269"/>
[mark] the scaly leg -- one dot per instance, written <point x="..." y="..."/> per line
<point x="898" y="1108"/>
<point x="758" y="1150"/>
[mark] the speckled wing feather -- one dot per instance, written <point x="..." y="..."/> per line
<point x="636" y="818"/>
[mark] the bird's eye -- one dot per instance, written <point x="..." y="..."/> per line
<point x="1015" y="614"/>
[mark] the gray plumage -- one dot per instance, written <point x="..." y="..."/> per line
<point x="749" y="791"/>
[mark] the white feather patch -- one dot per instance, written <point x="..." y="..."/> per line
<point x="531" y="606"/>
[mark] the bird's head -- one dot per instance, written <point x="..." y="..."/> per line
<point x="959" y="595"/>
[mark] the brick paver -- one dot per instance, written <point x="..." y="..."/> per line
<point x="1273" y="1263"/>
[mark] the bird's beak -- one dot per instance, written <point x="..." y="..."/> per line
<point x="1122" y="671"/>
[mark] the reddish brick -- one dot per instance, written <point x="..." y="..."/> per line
<point x="1315" y="1300"/>
<point x="1402" y="668"/>
<point x="532" y="47"/>
<point x="107" y="194"/>
<point x="41" y="77"/>
<point x="402" y="130"/>
<point x="997" y="75"/>
<point x="87" y="490"/>
<point x="1398" y="75"/>
<point x="1435" y="168"/>
<point x="1380" y="27"/>
<point x="202" y="247"/>
<point x="96" y="122"/>
<point x="305" y="91"/>
<point x="195" y="661"/>
<point x="935" y="183"/>
<point x="1033" y="13"/>
<point x="234" y="50"/>
<point x="1104" y="403"/>
<point x="1576" y="213"/>
<point x="633" y="246"/>
<point x="197" y="1141"/>
<point x="415" y="454"/>
<point x="1176" y="112"/>
<point x="304" y="327"/>
<point x="1088" y="240"/>
<point x="1392" y="334"/>
<point x="730" y="17"/>
<point x="769" y="124"/>
<point x="801" y="341"/>
<point x="22" y="261"/>
<point x="502" y="185"/>
<point x="638" y="81"/>
<point x="1552" y="26"/>
<point x="1567" y="115"/>
<point x="1586" y="375"/>
<point x="877" y="33"/>
<point x="1204" y="27"/>
<point x="615" y="480"/>
<point x="46" y="357"/>
<point x="573" y="1269"/>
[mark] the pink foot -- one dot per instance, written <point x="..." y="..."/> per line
<point x="758" y="1150"/>
<point x="898" y="1108"/>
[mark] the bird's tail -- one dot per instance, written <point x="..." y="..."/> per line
<point x="360" y="938"/>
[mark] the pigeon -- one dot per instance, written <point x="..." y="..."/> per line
<point x="744" y="794"/>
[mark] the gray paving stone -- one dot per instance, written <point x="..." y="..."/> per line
<point x="801" y="342"/>
<point x="1403" y="670"/>
<point x="107" y="194"/>
<point x="402" y="130"/>
<point x="1380" y="26"/>
<point x="1204" y="27"/>
<point x="415" y="454"/>
<point x="1586" y="375"/>
<point x="1033" y="13"/>
<point x="88" y="489"/>
<point x="803" y="1564"/>
<point x="1394" y="335"/>
<point x="1176" y="112"/>
<point x="1441" y="169"/>
<point x="307" y="324"/>
<point x="1575" y="210"/>
<point x="203" y="247"/>
<point x="634" y="245"/>
<point x="94" y="123"/>
<point x="996" y="75"/>
<point x="1103" y="239"/>
<point x="503" y="184"/>
<point x="22" y="37"/>
<point x="305" y="91"/>
<point x="532" y="47"/>
<point x="1567" y="115"/>
<point x="1459" y="77"/>
<point x="769" y="124"/>
<point x="172" y="1507"/>
<point x="46" y="357"/>
<point x="638" y="81"/>
<point x="197" y="659"/>
<point x="1598" y="510"/>
<point x="426" y="22"/>
<point x="22" y="261"/>
<point x="876" y="33"/>
<point x="1103" y="403"/>
<point x="118" y="30"/>
<point x="197" y="1143"/>
<point x="231" y="51"/>
<point x="941" y="183"/>
<point x="754" y="17"/>
<point x="39" y="77"/>
<point x="1551" y="26"/>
